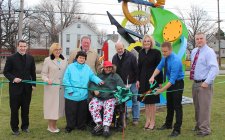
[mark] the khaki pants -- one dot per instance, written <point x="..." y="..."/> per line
<point x="202" y="102"/>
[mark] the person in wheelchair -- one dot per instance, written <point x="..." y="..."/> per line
<point x="105" y="100"/>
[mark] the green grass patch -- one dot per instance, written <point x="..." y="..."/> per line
<point x="222" y="60"/>
<point x="38" y="125"/>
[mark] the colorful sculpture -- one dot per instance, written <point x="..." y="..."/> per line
<point x="167" y="27"/>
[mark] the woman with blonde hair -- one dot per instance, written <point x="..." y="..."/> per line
<point x="52" y="72"/>
<point x="148" y="60"/>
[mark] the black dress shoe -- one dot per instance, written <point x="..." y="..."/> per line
<point x="16" y="133"/>
<point x="174" y="134"/>
<point x="68" y="130"/>
<point x="26" y="130"/>
<point x="164" y="127"/>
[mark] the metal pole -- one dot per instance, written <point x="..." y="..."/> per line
<point x="61" y="12"/>
<point x="218" y="4"/>
<point x="46" y="39"/>
<point x="29" y="36"/>
<point x="21" y="14"/>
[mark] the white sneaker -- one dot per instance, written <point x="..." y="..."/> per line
<point x="53" y="131"/>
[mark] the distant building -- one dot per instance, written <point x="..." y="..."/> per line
<point x="212" y="42"/>
<point x="72" y="34"/>
<point x="32" y="51"/>
<point x="114" y="37"/>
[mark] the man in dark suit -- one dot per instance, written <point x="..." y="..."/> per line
<point x="20" y="66"/>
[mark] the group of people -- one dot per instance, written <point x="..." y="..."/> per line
<point x="81" y="106"/>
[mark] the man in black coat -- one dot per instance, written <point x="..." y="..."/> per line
<point x="127" y="68"/>
<point x="20" y="66"/>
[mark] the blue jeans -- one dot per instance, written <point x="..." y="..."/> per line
<point x="135" y="103"/>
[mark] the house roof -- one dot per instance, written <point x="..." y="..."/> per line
<point x="82" y="22"/>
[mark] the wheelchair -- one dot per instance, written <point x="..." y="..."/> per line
<point x="119" y="117"/>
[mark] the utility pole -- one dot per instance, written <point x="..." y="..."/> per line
<point x="21" y="14"/>
<point x="218" y="4"/>
<point x="61" y="12"/>
<point x="46" y="41"/>
<point x="1" y="13"/>
<point x="29" y="36"/>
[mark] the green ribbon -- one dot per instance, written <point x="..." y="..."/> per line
<point x="121" y="94"/>
<point x="56" y="84"/>
<point x="153" y="84"/>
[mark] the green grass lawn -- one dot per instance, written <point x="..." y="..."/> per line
<point x="38" y="125"/>
<point x="222" y="60"/>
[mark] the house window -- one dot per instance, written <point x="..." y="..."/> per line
<point x="78" y="26"/>
<point x="67" y="51"/>
<point x="99" y="52"/>
<point x="78" y="40"/>
<point x="67" y="37"/>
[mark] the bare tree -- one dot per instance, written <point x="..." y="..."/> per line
<point x="144" y="29"/>
<point x="89" y="21"/>
<point x="69" y="9"/>
<point x="197" y="20"/>
<point x="1" y="13"/>
<point x="9" y="25"/>
<point x="45" y="19"/>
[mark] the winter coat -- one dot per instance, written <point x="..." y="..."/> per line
<point x="78" y="75"/>
<point x="54" y="103"/>
<point x="111" y="81"/>
<point x="126" y="67"/>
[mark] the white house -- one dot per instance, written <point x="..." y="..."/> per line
<point x="72" y="34"/>
<point x="214" y="43"/>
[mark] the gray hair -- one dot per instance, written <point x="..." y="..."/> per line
<point x="119" y="43"/>
<point x="201" y="33"/>
<point x="85" y="37"/>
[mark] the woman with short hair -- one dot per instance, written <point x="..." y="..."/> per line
<point x="52" y="72"/>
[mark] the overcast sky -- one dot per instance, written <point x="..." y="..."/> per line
<point x="115" y="8"/>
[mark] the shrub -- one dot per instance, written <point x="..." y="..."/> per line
<point x="39" y="58"/>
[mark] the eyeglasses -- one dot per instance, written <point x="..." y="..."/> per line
<point x="147" y="41"/>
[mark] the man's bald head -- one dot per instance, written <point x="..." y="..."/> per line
<point x="119" y="48"/>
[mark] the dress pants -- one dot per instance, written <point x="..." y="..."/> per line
<point x="174" y="99"/>
<point x="202" y="98"/>
<point x="16" y="102"/>
<point x="76" y="114"/>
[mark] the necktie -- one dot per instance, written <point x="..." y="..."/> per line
<point x="165" y="70"/>
<point x="192" y="72"/>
